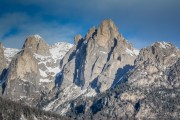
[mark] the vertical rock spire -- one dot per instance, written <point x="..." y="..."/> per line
<point x="37" y="45"/>
<point x="2" y="59"/>
<point x="97" y="59"/>
<point x="2" y="66"/>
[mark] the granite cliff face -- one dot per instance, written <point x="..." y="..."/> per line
<point x="2" y="66"/>
<point x="23" y="77"/>
<point x="97" y="60"/>
<point x="36" y="45"/>
<point x="174" y="75"/>
<point x="32" y="71"/>
<point x="150" y="90"/>
<point x="2" y="59"/>
<point x="93" y="65"/>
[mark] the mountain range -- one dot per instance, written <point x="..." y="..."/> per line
<point x="101" y="76"/>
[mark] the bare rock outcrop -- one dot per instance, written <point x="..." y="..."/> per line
<point x="153" y="63"/>
<point x="174" y="74"/>
<point x="37" y="45"/>
<point x="22" y="82"/>
<point x="23" y="75"/>
<point x="161" y="54"/>
<point x="96" y="63"/>
<point x="2" y="59"/>
<point x="99" y="60"/>
<point x="150" y="92"/>
<point x="32" y="71"/>
<point x="2" y="66"/>
<point x="78" y="38"/>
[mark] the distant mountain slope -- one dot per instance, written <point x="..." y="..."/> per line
<point x="151" y="90"/>
<point x="32" y="70"/>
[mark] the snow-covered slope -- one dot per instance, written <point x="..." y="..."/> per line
<point x="9" y="53"/>
<point x="49" y="65"/>
<point x="58" y="50"/>
<point x="35" y="66"/>
<point x="132" y="52"/>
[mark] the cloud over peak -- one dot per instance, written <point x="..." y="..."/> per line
<point x="60" y="20"/>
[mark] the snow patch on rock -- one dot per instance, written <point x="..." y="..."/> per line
<point x="37" y="36"/>
<point x="58" y="50"/>
<point x="132" y="52"/>
<point x="9" y="53"/>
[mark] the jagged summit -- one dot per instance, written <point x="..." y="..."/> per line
<point x="162" y="44"/>
<point x="153" y="63"/>
<point x="152" y="84"/>
<point x="2" y="66"/>
<point x="95" y="63"/>
<point x="37" y="45"/>
<point x="78" y="38"/>
<point x="33" y="69"/>
<point x="100" y="54"/>
<point x="105" y="34"/>
<point x="159" y="53"/>
<point x="2" y="60"/>
<point x="108" y="24"/>
<point x="108" y="29"/>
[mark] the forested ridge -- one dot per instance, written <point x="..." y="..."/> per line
<point x="10" y="110"/>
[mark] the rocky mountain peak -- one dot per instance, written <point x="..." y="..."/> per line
<point x="31" y="71"/>
<point x="101" y="53"/>
<point x="20" y="61"/>
<point x="90" y="34"/>
<point x="159" y="54"/>
<point x="1" y="49"/>
<point x="108" y="29"/>
<point x="107" y="33"/>
<point x="78" y="38"/>
<point x="95" y="65"/>
<point x="37" y="45"/>
<point x="2" y="65"/>
<point x="153" y="64"/>
<point x="152" y="84"/>
<point x="2" y="58"/>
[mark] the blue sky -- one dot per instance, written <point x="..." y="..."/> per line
<point x="141" y="22"/>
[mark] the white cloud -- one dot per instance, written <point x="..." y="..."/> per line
<point x="144" y="19"/>
<point x="10" y="20"/>
<point x="27" y="25"/>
